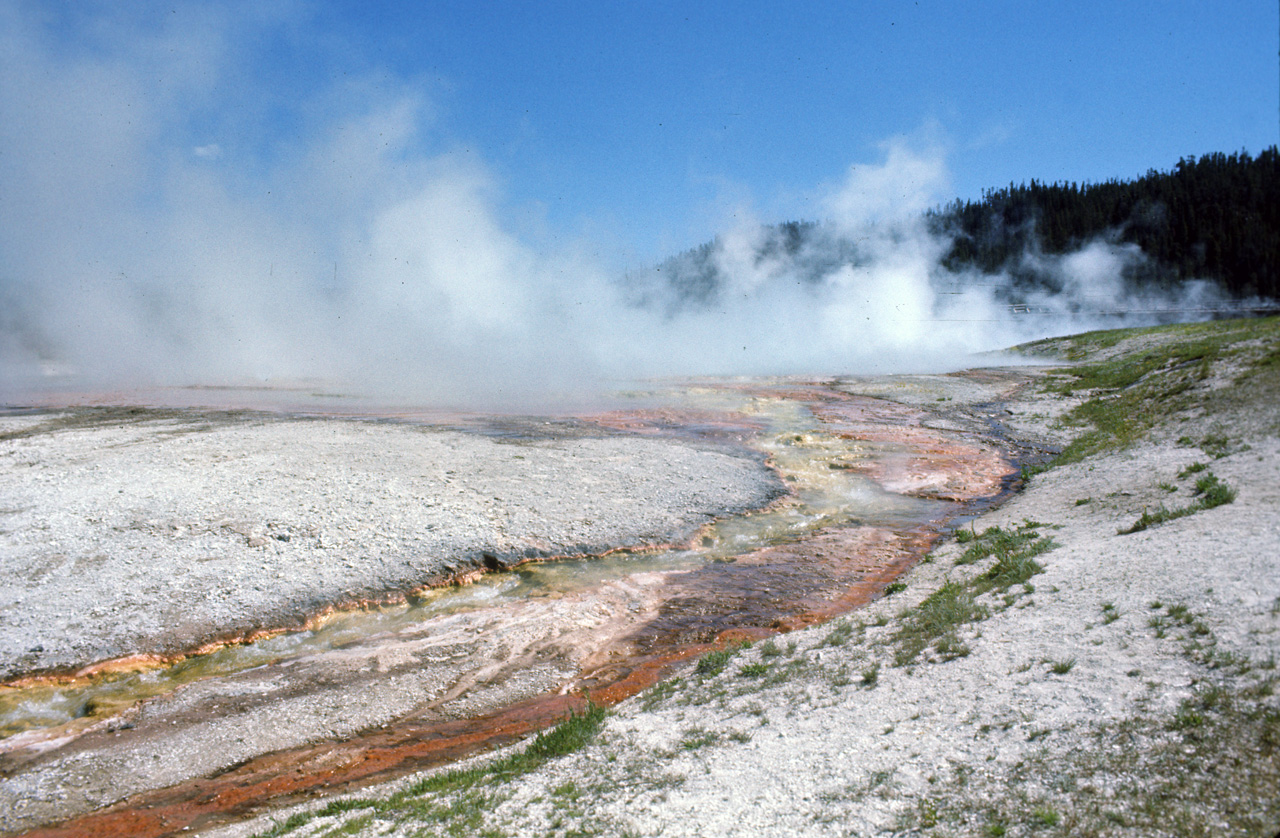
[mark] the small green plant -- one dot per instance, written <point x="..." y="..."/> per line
<point x="769" y="649"/>
<point x="1062" y="667"/>
<point x="713" y="663"/>
<point x="1109" y="613"/>
<point x="1212" y="492"/>
<point x="871" y="675"/>
<point x="839" y="635"/>
<point x="753" y="670"/>
<point x="1194" y="468"/>
<point x="894" y="588"/>
<point x="697" y="737"/>
<point x="1045" y="817"/>
<point x="1079" y="502"/>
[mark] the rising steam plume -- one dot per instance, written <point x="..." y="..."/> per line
<point x="135" y="251"/>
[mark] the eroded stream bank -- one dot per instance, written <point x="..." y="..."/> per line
<point x="873" y="483"/>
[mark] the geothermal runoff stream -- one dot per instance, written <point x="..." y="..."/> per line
<point x="153" y="745"/>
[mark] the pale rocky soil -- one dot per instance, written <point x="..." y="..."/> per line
<point x="152" y="532"/>
<point x="1154" y="724"/>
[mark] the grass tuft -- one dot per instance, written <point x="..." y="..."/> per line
<point x="935" y="621"/>
<point x="1212" y="493"/>
<point x="1062" y="667"/>
<point x="713" y="663"/>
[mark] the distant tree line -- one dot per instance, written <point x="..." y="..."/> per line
<point x="1216" y="217"/>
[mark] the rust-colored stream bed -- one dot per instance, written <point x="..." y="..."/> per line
<point x="466" y="669"/>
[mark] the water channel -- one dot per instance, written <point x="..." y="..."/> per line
<point x="606" y="626"/>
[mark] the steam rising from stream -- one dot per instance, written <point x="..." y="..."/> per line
<point x="360" y="250"/>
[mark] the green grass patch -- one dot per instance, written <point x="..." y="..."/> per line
<point x="713" y="663"/>
<point x="1062" y="667"/>
<point x="459" y="799"/>
<point x="1212" y="493"/>
<point x="935" y="621"/>
<point x="1133" y="391"/>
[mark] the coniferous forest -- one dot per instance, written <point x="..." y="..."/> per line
<point x="1216" y="217"/>
<point x="1213" y="218"/>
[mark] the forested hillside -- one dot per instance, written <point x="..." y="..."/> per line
<point x="1216" y="217"/>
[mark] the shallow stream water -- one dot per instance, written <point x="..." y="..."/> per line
<point x="820" y="469"/>
<point x="369" y="694"/>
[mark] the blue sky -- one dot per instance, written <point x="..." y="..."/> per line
<point x="646" y="123"/>
<point x="283" y="187"/>
<point x="654" y="116"/>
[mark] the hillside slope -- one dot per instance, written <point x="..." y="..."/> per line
<point x="1041" y="673"/>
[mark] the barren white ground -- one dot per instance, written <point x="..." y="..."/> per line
<point x="156" y="534"/>
<point x="851" y="744"/>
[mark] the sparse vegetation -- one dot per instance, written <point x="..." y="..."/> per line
<point x="1062" y="667"/>
<point x="1212" y="492"/>
<point x="1208" y="767"/>
<point x="1132" y="392"/>
<point x="713" y="663"/>
<point x="459" y="799"/>
<point x="935" y="621"/>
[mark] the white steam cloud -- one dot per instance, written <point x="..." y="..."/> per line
<point x="139" y="245"/>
